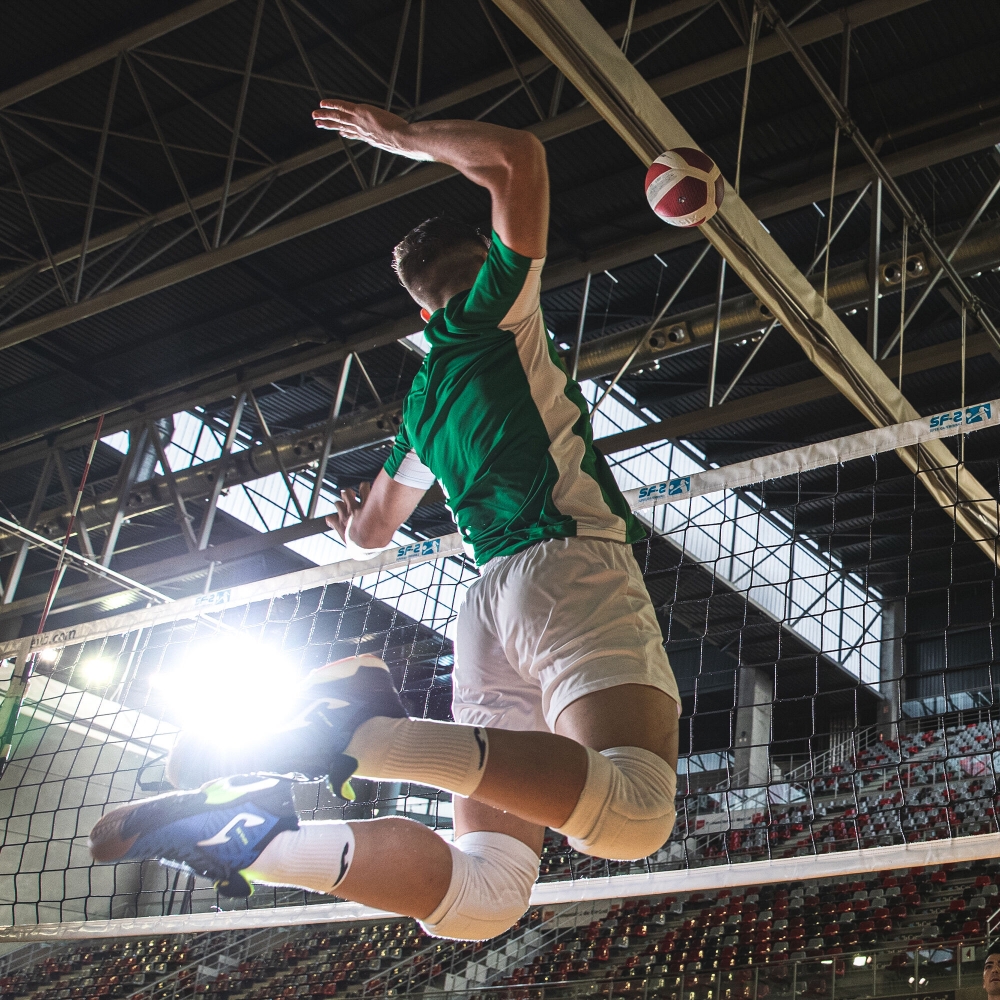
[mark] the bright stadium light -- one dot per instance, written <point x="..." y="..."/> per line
<point x="49" y="655"/>
<point x="231" y="688"/>
<point x="860" y="960"/>
<point x="98" y="670"/>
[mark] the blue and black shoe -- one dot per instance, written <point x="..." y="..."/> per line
<point x="217" y="831"/>
<point x="310" y="744"/>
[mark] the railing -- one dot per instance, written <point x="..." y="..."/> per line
<point x="224" y="950"/>
<point x="472" y="963"/>
<point x="32" y="954"/>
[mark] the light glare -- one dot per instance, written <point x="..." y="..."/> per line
<point x="99" y="670"/>
<point x="231" y="689"/>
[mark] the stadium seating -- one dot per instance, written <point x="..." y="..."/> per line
<point x="747" y="943"/>
<point x="739" y="944"/>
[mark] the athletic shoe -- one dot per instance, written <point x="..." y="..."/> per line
<point x="217" y="831"/>
<point x="334" y="701"/>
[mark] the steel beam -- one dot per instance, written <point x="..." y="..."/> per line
<point x="568" y="34"/>
<point x="686" y="425"/>
<point x="775" y="400"/>
<point x="250" y="372"/>
<point x="37" y="501"/>
<point x="208" y="519"/>
<point x="551" y="128"/>
<point x="104" y="53"/>
<point x="774" y="203"/>
<point x="291" y="452"/>
<point x="168" y="570"/>
<point x="484" y="85"/>
<point x="743" y="315"/>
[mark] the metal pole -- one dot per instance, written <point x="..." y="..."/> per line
<point x="391" y="85"/>
<point x="34" y="217"/>
<point x="961" y="440"/>
<point x="913" y="219"/>
<point x="220" y="475"/>
<point x="82" y="534"/>
<point x="266" y="434"/>
<point x="238" y="123"/>
<point x="512" y="60"/>
<point x="936" y="276"/>
<point x="874" y="275"/>
<point x="17" y="567"/>
<point x="845" y="72"/>
<point x="98" y="166"/>
<point x="421" y="25"/>
<point x="166" y="152"/>
<point x="123" y="486"/>
<point x="580" y="326"/>
<point x="718" y="330"/>
<point x="902" y="296"/>
<point x="338" y="401"/>
<point x="183" y="517"/>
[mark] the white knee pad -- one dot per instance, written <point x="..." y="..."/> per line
<point x="626" y="809"/>
<point x="491" y="879"/>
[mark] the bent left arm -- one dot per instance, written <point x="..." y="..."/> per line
<point x="379" y="509"/>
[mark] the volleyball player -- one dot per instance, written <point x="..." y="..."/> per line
<point x="565" y="705"/>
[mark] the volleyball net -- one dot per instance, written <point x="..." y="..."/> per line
<point x="830" y="626"/>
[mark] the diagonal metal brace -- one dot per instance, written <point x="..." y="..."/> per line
<point x="916" y="221"/>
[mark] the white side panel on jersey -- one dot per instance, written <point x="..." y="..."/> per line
<point x="575" y="493"/>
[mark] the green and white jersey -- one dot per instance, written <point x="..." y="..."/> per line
<point x="495" y="418"/>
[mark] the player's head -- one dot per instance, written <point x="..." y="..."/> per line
<point x="438" y="258"/>
<point x="991" y="971"/>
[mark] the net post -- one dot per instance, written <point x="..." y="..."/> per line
<point x="10" y="707"/>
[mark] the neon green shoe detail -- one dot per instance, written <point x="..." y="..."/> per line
<point x="238" y="885"/>
<point x="220" y="791"/>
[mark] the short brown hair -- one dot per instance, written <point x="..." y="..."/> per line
<point x="437" y="253"/>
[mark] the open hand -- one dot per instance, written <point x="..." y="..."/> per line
<point x="362" y="122"/>
<point x="348" y="505"/>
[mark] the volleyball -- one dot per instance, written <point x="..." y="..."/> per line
<point x="684" y="187"/>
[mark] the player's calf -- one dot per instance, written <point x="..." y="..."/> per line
<point x="626" y="809"/>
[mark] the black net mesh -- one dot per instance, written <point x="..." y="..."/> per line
<point x="832" y="634"/>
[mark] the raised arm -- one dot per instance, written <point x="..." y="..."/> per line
<point x="509" y="163"/>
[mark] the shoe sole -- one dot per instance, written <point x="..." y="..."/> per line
<point x="341" y="669"/>
<point x="108" y="843"/>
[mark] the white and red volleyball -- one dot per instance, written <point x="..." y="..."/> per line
<point x="684" y="187"/>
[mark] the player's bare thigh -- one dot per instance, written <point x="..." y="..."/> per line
<point x="626" y="715"/>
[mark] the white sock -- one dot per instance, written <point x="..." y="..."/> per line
<point x="316" y="856"/>
<point x="442" y="754"/>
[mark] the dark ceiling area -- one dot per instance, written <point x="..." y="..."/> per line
<point x="176" y="236"/>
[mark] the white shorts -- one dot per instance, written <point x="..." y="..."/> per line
<point x="550" y="624"/>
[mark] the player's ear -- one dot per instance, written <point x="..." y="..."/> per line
<point x="425" y="315"/>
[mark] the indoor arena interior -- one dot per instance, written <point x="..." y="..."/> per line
<point x="203" y="343"/>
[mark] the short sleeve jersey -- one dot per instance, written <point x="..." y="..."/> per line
<point x="493" y="416"/>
